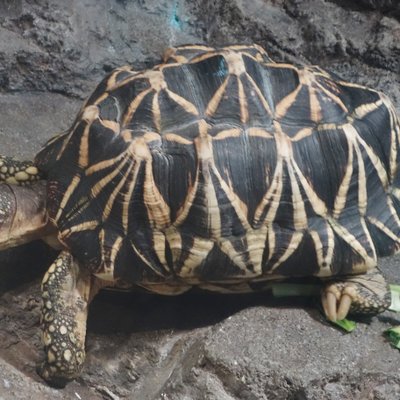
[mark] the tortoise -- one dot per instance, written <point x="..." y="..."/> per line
<point x="218" y="169"/>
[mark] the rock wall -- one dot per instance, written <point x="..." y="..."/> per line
<point x="52" y="54"/>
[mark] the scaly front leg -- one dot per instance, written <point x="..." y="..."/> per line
<point x="18" y="172"/>
<point x="65" y="293"/>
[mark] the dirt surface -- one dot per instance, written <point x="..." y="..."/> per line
<point x="52" y="54"/>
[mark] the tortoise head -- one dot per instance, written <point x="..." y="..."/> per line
<point x="23" y="215"/>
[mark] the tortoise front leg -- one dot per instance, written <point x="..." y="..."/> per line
<point x="367" y="294"/>
<point x="65" y="293"/>
<point x="17" y="172"/>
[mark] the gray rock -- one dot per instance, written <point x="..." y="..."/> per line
<point x="52" y="54"/>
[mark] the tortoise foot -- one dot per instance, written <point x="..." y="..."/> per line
<point x="367" y="294"/>
<point x="65" y="293"/>
<point x="56" y="376"/>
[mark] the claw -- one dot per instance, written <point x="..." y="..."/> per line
<point x="329" y="304"/>
<point x="344" y="306"/>
<point x="324" y="303"/>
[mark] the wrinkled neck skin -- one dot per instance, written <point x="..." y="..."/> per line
<point x="23" y="214"/>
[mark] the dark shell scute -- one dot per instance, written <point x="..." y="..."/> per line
<point x="197" y="82"/>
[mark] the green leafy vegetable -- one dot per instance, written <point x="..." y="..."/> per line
<point x="395" y="292"/>
<point x="394" y="336"/>
<point x="293" y="289"/>
<point x="346" y="325"/>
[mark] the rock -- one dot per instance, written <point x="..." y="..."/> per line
<point x="52" y="54"/>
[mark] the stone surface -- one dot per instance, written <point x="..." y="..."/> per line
<point x="52" y="54"/>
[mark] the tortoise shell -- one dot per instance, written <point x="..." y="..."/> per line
<point x="219" y="165"/>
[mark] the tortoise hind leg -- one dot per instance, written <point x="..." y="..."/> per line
<point x="360" y="294"/>
<point x="17" y="172"/>
<point x="66" y="294"/>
